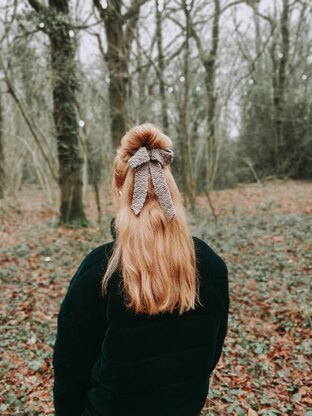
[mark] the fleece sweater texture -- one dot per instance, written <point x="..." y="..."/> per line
<point x="117" y="363"/>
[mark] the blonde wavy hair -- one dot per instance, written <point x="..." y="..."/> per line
<point x="156" y="257"/>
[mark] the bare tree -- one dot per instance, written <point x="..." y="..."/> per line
<point x="2" y="170"/>
<point x="279" y="82"/>
<point x="209" y="63"/>
<point x="188" y="177"/>
<point x="161" y="66"/>
<point x="120" y="32"/>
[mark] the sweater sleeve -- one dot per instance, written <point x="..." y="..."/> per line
<point x="223" y="324"/>
<point x="81" y="327"/>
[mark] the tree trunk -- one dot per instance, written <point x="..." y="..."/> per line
<point x="210" y="80"/>
<point x="258" y="41"/>
<point x="188" y="182"/>
<point x="120" y="31"/>
<point x="65" y="86"/>
<point x="2" y="172"/>
<point x="279" y="93"/>
<point x="143" y="108"/>
<point x="118" y="74"/>
<point x="117" y="68"/>
<point x="161" y="67"/>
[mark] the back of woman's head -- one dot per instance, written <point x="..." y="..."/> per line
<point x="155" y="255"/>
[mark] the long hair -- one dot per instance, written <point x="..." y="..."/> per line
<point x="156" y="257"/>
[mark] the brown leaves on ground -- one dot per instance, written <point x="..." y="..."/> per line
<point x="263" y="234"/>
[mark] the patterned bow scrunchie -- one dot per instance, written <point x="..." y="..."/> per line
<point x="152" y="160"/>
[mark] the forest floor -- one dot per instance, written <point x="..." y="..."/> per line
<point x="264" y="235"/>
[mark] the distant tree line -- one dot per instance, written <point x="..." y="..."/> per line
<point x="229" y="81"/>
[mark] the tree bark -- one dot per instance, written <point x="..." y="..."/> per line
<point x="188" y="182"/>
<point x="258" y="40"/>
<point x="210" y="83"/>
<point x="120" y="30"/>
<point x="280" y="84"/>
<point x="161" y="68"/>
<point x="209" y="63"/>
<point x="2" y="171"/>
<point x="65" y="85"/>
<point x="118" y="72"/>
<point x="143" y="108"/>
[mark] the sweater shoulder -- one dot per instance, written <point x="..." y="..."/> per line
<point x="210" y="263"/>
<point x="94" y="262"/>
<point x="98" y="255"/>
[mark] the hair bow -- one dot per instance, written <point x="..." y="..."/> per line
<point x="143" y="161"/>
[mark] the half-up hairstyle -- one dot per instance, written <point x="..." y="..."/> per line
<point x="156" y="257"/>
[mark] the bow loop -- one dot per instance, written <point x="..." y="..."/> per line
<point x="163" y="156"/>
<point x="143" y="163"/>
<point x="141" y="156"/>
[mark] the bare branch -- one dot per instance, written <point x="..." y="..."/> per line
<point x="101" y="47"/>
<point x="102" y="12"/>
<point x="133" y="10"/>
<point x="37" y="6"/>
<point x="29" y="123"/>
<point x="234" y="3"/>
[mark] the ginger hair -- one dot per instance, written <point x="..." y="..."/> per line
<point x="156" y="257"/>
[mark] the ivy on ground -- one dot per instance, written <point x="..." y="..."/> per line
<point x="263" y="234"/>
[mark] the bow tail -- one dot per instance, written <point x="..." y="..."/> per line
<point x="161" y="190"/>
<point x="140" y="188"/>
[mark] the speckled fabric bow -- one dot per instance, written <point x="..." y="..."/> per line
<point x="143" y="161"/>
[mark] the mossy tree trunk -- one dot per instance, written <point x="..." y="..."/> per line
<point x="65" y="84"/>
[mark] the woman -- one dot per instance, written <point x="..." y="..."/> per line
<point x="143" y="322"/>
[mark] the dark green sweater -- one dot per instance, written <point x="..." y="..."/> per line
<point x="122" y="364"/>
